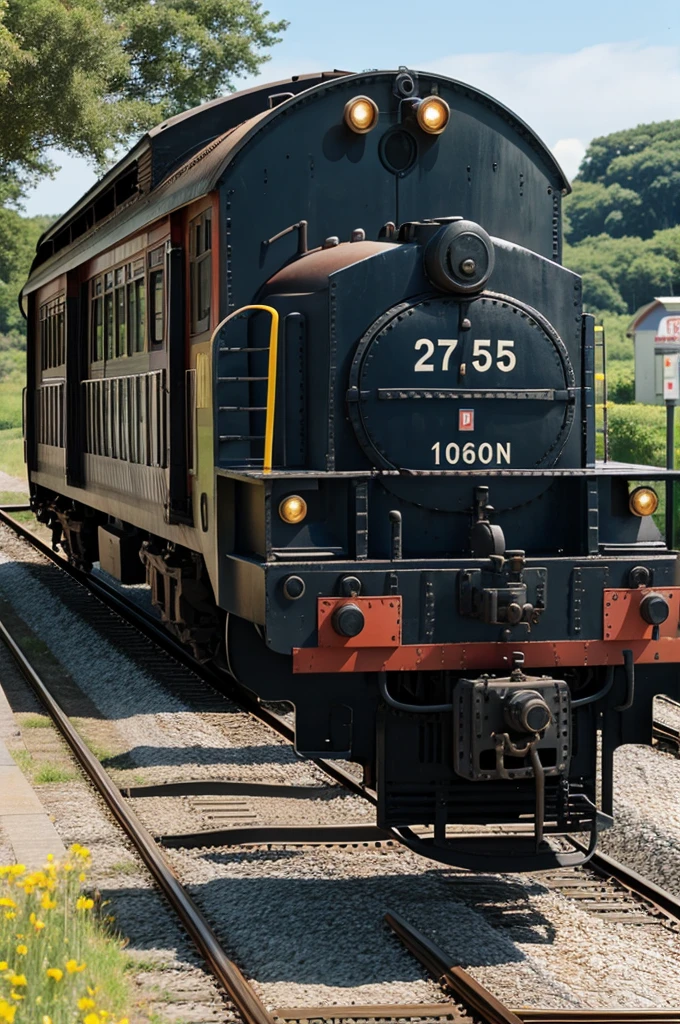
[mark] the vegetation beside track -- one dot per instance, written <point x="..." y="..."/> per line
<point x="60" y="962"/>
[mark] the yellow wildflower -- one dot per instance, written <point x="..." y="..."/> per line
<point x="5" y="901"/>
<point x="82" y="876"/>
<point x="50" y="857"/>
<point x="92" y="1018"/>
<point x="55" y="972"/>
<point x="84" y="903"/>
<point x="15" y="995"/>
<point x="17" y="869"/>
<point x="46" y="1019"/>
<point x="3" y="965"/>
<point x="10" y="915"/>
<point x="7" y="1012"/>
<point x="22" y="950"/>
<point x="68" y="866"/>
<point x="18" y="980"/>
<point x="73" y="967"/>
<point x="46" y="903"/>
<point x="92" y="991"/>
<point x="86" y="1004"/>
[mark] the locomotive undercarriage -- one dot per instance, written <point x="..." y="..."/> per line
<point x="451" y="754"/>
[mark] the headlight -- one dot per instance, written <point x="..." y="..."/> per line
<point x="361" y="114"/>
<point x="293" y="509"/>
<point x="643" y="501"/>
<point x="433" y="115"/>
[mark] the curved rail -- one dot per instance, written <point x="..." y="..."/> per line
<point x="225" y="970"/>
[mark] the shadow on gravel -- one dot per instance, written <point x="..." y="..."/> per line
<point x="162" y="756"/>
<point x="330" y="930"/>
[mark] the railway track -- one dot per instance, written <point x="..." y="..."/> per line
<point x="605" y="886"/>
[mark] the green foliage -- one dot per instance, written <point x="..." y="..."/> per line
<point x="88" y="75"/>
<point x="637" y="433"/>
<point x="622" y="218"/>
<point x="628" y="184"/>
<point x="621" y="274"/>
<point x="594" y="208"/>
<point x="619" y="345"/>
<point x="10" y="402"/>
<point x="621" y="381"/>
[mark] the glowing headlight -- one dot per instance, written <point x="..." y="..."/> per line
<point x="643" y="501"/>
<point x="361" y="114"/>
<point x="293" y="509"/>
<point x="433" y="115"/>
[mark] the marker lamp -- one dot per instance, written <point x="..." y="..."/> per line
<point x="361" y="114"/>
<point x="293" y="509"/>
<point x="643" y="501"/>
<point x="433" y="115"/>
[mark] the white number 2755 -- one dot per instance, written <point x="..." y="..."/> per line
<point x="482" y="359"/>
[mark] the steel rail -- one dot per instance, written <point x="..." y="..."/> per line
<point x="663" y="902"/>
<point x="243" y="996"/>
<point x="482" y="1004"/>
<point x="449" y="1011"/>
<point x="456" y="981"/>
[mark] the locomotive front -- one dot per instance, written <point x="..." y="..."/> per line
<point x="444" y="582"/>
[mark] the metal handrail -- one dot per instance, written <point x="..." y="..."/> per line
<point x="271" y="373"/>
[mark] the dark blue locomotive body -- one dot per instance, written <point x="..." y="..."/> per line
<point x="375" y="470"/>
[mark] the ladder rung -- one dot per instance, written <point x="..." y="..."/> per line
<point x="241" y="437"/>
<point x="246" y="349"/>
<point x="242" y="408"/>
<point x="227" y="380"/>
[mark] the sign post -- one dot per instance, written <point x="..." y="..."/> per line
<point x="671" y="394"/>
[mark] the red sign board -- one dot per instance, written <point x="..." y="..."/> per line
<point x="466" y="419"/>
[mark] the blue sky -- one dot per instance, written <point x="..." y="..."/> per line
<point x="572" y="71"/>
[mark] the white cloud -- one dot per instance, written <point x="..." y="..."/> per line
<point x="567" y="97"/>
<point x="569" y="153"/>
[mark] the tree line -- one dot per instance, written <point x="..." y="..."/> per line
<point x="622" y="220"/>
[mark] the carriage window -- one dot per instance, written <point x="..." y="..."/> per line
<point x="121" y="325"/>
<point x="156" y="297"/>
<point x="136" y="318"/>
<point x="200" y="245"/>
<point x="97" y="321"/>
<point x="108" y="315"/>
<point x="52" y="333"/>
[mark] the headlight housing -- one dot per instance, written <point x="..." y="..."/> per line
<point x="361" y="114"/>
<point x="643" y="501"/>
<point x="432" y="115"/>
<point x="293" y="509"/>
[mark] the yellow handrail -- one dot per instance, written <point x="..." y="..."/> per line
<point x="271" y="375"/>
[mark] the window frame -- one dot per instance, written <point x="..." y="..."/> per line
<point x="156" y="310"/>
<point x="52" y="332"/>
<point x="200" y="271"/>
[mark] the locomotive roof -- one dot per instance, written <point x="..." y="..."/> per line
<point x="184" y="157"/>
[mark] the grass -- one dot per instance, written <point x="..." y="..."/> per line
<point x="36" y="722"/>
<point x="42" y="771"/>
<point x="11" y="401"/>
<point x="13" y="497"/>
<point x="53" y="773"/>
<point x="12" y="452"/>
<point x="24" y="760"/>
<point x="48" y="925"/>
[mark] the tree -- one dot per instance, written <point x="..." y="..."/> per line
<point x="88" y="75"/>
<point x="628" y="184"/>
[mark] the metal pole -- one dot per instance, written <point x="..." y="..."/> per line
<point x="670" y="464"/>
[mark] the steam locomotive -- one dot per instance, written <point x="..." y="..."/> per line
<point x="307" y="361"/>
